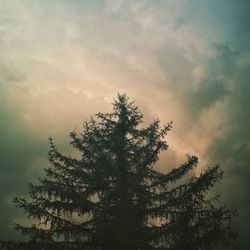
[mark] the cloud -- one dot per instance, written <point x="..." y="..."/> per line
<point x="186" y="61"/>
<point x="18" y="151"/>
<point x="232" y="150"/>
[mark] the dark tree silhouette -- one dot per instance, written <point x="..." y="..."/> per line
<point x="112" y="198"/>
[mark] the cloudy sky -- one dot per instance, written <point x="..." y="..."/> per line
<point x="186" y="61"/>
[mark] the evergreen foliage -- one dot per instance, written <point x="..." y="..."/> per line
<point x="112" y="197"/>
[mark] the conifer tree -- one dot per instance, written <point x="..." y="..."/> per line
<point x="111" y="197"/>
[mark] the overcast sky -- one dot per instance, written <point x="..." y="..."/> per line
<point x="180" y="60"/>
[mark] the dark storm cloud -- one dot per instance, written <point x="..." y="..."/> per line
<point x="225" y="83"/>
<point x="18" y="152"/>
<point x="227" y="80"/>
<point x="233" y="150"/>
<point x="216" y="85"/>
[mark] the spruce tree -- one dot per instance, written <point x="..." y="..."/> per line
<point x="111" y="197"/>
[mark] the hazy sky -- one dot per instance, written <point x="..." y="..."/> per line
<point x="181" y="60"/>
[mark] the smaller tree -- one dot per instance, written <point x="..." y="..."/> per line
<point x="112" y="198"/>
